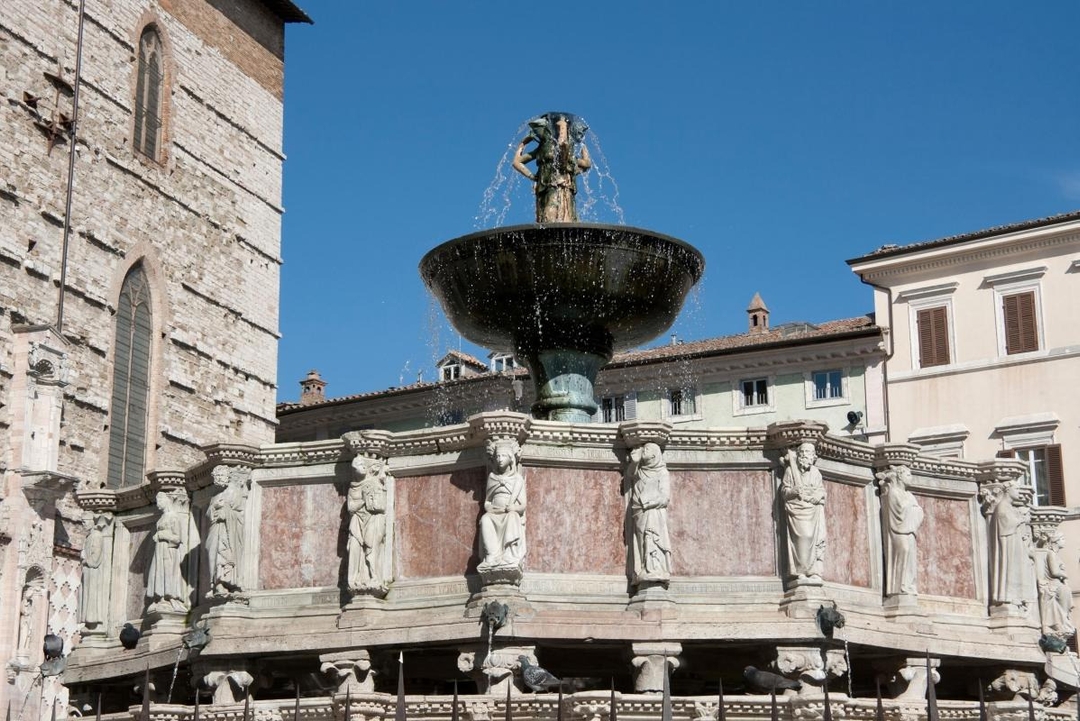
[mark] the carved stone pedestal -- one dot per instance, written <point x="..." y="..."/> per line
<point x="905" y="678"/>
<point x="649" y="664"/>
<point x="903" y="607"/>
<point x="810" y="666"/>
<point x="653" y="601"/>
<point x="360" y="610"/>
<point x="802" y="598"/>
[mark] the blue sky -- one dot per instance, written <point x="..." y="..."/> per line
<point x="778" y="138"/>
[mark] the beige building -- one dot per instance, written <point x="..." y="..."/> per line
<point x="830" y="373"/>
<point x="128" y="340"/>
<point x="984" y="349"/>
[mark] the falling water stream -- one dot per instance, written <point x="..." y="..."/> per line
<point x="847" y="660"/>
<point x="175" y="668"/>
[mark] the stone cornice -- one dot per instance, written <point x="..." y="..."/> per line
<point x="936" y="258"/>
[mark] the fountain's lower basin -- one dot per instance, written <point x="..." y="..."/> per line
<point x="563" y="298"/>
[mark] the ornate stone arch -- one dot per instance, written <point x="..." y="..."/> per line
<point x="152" y="79"/>
<point x="141" y="266"/>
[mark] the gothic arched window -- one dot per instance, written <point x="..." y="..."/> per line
<point x="149" y="94"/>
<point x="131" y="382"/>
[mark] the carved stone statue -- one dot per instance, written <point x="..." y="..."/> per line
<point x="901" y="516"/>
<point x="166" y="588"/>
<point x="1012" y="573"/>
<point x="225" y="539"/>
<point x="556" y="135"/>
<point x="1055" y="596"/>
<point x="26" y="618"/>
<point x="93" y="589"/>
<point x="803" y="493"/>
<point x="650" y="493"/>
<point x="502" y="527"/>
<point x="366" y="503"/>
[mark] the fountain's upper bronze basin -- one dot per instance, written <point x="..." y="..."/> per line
<point x="587" y="287"/>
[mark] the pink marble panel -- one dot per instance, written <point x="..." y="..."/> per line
<point x="945" y="548"/>
<point x="721" y="523"/>
<point x="574" y="521"/>
<point x="437" y="518"/>
<point x="847" y="553"/>
<point x="140" y="551"/>
<point x="300" y="536"/>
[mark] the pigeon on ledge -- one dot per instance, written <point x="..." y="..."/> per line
<point x="767" y="681"/>
<point x="129" y="636"/>
<point x="536" y="678"/>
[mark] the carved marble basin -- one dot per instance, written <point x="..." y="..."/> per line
<point x="563" y="298"/>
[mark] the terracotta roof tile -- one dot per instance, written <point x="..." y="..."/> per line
<point x="890" y="250"/>
<point x="781" y="334"/>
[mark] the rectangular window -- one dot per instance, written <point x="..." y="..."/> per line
<point x="1045" y="473"/>
<point x="933" y="336"/>
<point x="1021" y="328"/>
<point x="755" y="392"/>
<point x="828" y="385"/>
<point x="450" y="372"/>
<point x="613" y="409"/>
<point x="681" y="402"/>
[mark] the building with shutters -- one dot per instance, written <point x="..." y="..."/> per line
<point x="983" y="349"/>
<point x="830" y="372"/>
<point x="129" y="339"/>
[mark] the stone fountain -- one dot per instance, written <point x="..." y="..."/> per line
<point x="317" y="576"/>
<point x="564" y="296"/>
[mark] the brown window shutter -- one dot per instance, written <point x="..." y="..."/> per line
<point x="933" y="337"/>
<point x="1055" y="474"/>
<point x="1006" y="453"/>
<point x="1021" y="331"/>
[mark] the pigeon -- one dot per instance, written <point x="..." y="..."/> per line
<point x="829" y="619"/>
<point x="536" y="678"/>
<point x="767" y="681"/>
<point x="129" y="636"/>
<point x="54" y="647"/>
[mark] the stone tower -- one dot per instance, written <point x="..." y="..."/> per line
<point x="138" y="279"/>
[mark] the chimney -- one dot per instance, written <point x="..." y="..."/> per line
<point x="759" y="315"/>
<point x="312" y="389"/>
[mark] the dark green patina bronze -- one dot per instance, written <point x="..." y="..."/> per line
<point x="562" y="295"/>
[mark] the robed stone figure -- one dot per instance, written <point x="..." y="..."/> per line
<point x="802" y="491"/>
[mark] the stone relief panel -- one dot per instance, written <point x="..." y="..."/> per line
<point x="901" y="518"/>
<point x="502" y="525"/>
<point x="300" y="536"/>
<point x="367" y="569"/>
<point x="437" y="521"/>
<point x="945" y="552"/>
<point x="167" y="587"/>
<point x="227" y="517"/>
<point x="848" y="560"/>
<point x="584" y="505"/>
<point x="648" y="485"/>
<point x="706" y="506"/>
<point x="802" y="495"/>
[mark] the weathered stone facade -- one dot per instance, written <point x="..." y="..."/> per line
<point x="203" y="220"/>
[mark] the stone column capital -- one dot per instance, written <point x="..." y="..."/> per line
<point x="500" y="425"/>
<point x="369" y="443"/>
<point x="652" y="661"/>
<point x="895" y="454"/>
<point x="351" y="669"/>
<point x="784" y="434"/>
<point x="810" y="665"/>
<point x="637" y="432"/>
